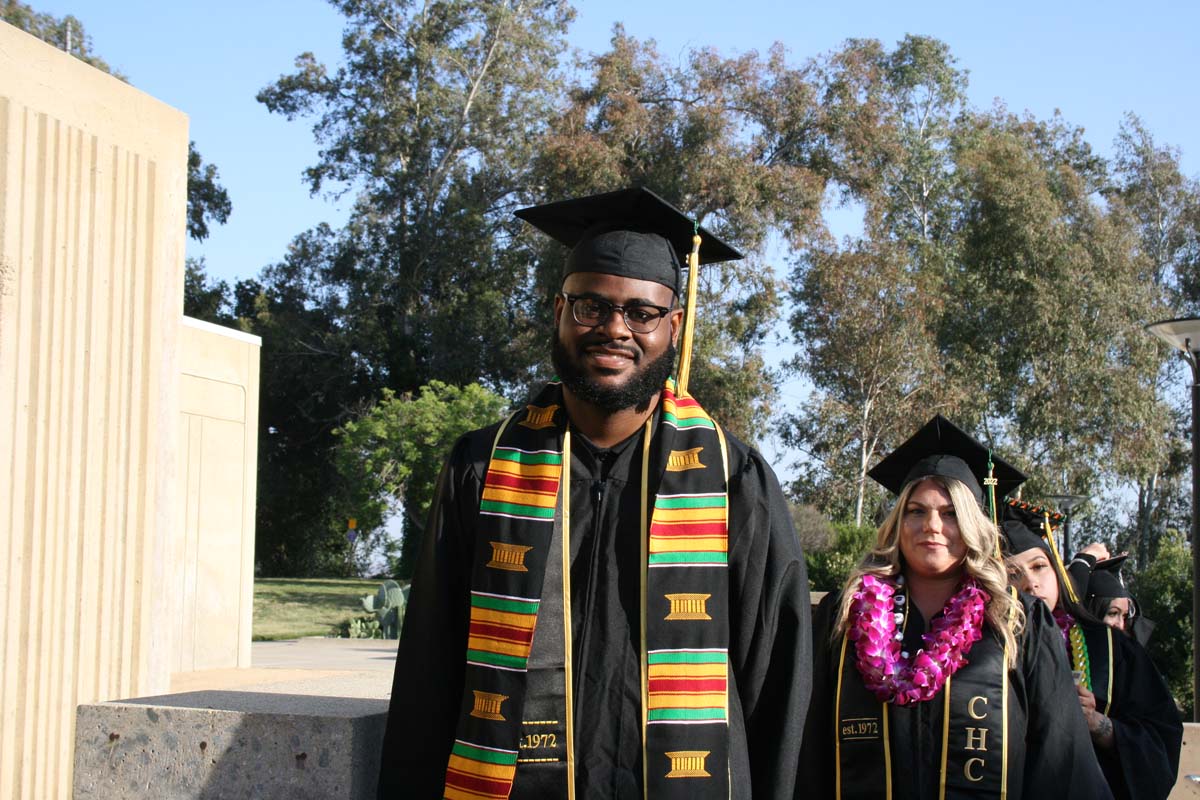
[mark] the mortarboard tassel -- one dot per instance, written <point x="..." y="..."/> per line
<point x="990" y="494"/>
<point x="1062" y="570"/>
<point x="689" y="314"/>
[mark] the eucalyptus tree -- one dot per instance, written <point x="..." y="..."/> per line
<point x="867" y="309"/>
<point x="1162" y="205"/>
<point x="428" y="124"/>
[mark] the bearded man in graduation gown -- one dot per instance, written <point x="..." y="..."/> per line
<point x="610" y="600"/>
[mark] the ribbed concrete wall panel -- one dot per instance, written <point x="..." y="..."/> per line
<point x="218" y="429"/>
<point x="92" y="198"/>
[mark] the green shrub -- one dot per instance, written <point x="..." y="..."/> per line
<point x="829" y="568"/>
<point x="1164" y="595"/>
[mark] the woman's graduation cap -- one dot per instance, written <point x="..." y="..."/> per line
<point x="634" y="233"/>
<point x="1105" y="580"/>
<point x="1023" y="527"/>
<point x="941" y="449"/>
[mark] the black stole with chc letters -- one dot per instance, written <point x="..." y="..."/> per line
<point x="973" y="759"/>
<point x="515" y="732"/>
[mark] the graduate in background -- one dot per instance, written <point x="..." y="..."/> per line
<point x="610" y="601"/>
<point x="1096" y="577"/>
<point x="931" y="678"/>
<point x="1133" y="721"/>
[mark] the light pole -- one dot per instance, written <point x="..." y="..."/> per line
<point x="1064" y="503"/>
<point x="1184" y="335"/>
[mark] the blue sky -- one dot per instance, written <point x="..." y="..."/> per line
<point x="1093" y="61"/>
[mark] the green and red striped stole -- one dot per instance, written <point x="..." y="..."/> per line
<point x="686" y="613"/>
<point x="501" y="632"/>
<point x="687" y="686"/>
<point x="479" y="773"/>
<point x="685" y="619"/>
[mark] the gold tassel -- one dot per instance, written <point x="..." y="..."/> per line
<point x="1062" y="570"/>
<point x="689" y="319"/>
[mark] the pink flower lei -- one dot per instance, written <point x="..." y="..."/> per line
<point x="892" y="676"/>
<point x="1064" y="621"/>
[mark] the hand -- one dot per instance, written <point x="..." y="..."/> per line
<point x="1097" y="549"/>
<point x="1099" y="726"/>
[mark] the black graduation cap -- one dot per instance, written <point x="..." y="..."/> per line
<point x="1105" y="580"/>
<point x="941" y="449"/>
<point x="630" y="232"/>
<point x="1022" y="524"/>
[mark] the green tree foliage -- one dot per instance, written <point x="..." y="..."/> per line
<point x="828" y="569"/>
<point x="429" y="123"/>
<point x="868" y="310"/>
<point x="1003" y="276"/>
<point x="207" y="200"/>
<point x="1163" y="206"/>
<point x="203" y="297"/>
<point x="312" y="381"/>
<point x="1164" y="595"/>
<point x="390" y="456"/>
<point x="1051" y="303"/>
<point x="65" y="33"/>
<point x="857" y="308"/>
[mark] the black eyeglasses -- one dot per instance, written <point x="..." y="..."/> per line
<point x="592" y="311"/>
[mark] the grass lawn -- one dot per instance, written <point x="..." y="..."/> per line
<point x="287" y="608"/>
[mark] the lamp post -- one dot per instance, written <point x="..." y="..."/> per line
<point x="1184" y="335"/>
<point x="1066" y="502"/>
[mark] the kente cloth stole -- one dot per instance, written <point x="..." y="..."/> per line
<point x="520" y="585"/>
<point x="974" y="757"/>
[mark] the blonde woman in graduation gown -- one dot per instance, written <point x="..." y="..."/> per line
<point x="931" y="679"/>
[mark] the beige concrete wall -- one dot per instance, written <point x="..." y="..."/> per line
<point x="218" y="425"/>
<point x="92" y="199"/>
<point x="1189" y="764"/>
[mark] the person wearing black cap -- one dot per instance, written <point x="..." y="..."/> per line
<point x="1097" y="577"/>
<point x="610" y="600"/>
<point x="931" y="677"/>
<point x="1134" y="725"/>
<point x="1110" y="599"/>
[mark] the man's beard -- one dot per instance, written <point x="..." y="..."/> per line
<point x="636" y="393"/>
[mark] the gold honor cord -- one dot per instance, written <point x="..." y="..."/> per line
<point x="689" y="315"/>
<point x="945" y="737"/>
<point x="645" y="568"/>
<point x="887" y="752"/>
<point x="1012" y="610"/>
<point x="728" y="679"/>
<point x="1004" y="720"/>
<point x="568" y="671"/>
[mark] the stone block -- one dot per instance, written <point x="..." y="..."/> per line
<point x="226" y="744"/>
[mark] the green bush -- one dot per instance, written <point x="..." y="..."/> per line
<point x="1164" y="595"/>
<point x="829" y="568"/>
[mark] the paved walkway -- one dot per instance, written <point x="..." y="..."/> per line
<point x="313" y="666"/>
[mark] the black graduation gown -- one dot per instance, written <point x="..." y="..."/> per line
<point x="769" y="628"/>
<point x="1054" y="760"/>
<point x="1148" y="731"/>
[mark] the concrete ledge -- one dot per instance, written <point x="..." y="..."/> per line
<point x="226" y="744"/>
